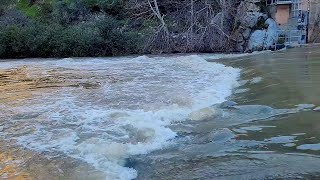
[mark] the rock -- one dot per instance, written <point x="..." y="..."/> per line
<point x="272" y="33"/>
<point x="251" y="19"/>
<point x="305" y="106"/>
<point x="217" y="19"/>
<point x="245" y="7"/>
<point x="203" y="114"/>
<point x="256" y="41"/>
<point x="240" y="47"/>
<point x="317" y="108"/>
<point x="228" y="104"/>
<point x="289" y="145"/>
<point x="222" y="135"/>
<point x="313" y="147"/>
<point x="240" y="40"/>
<point x="220" y="20"/>
<point x="244" y="13"/>
<point x="246" y="33"/>
<point x="264" y="39"/>
<point x="281" y="140"/>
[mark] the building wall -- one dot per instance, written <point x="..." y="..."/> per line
<point x="282" y="14"/>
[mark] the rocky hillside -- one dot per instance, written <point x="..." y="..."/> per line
<point x="64" y="28"/>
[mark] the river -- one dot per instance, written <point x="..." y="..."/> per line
<point x="207" y="116"/>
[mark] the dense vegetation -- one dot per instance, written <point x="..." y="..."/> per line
<point x="64" y="28"/>
<point x="61" y="28"/>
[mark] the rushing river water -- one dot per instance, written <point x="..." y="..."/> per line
<point x="162" y="117"/>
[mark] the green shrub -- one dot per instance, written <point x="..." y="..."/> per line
<point x="118" y="38"/>
<point x="55" y="40"/>
<point x="64" y="28"/>
<point x="78" y="40"/>
<point x="29" y="9"/>
<point x="3" y="41"/>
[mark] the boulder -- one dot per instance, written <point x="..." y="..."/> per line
<point x="250" y="19"/>
<point x="217" y="19"/>
<point x="272" y="33"/>
<point x="256" y="41"/>
<point x="240" y="47"/>
<point x="224" y="21"/>
<point x="246" y="6"/>
<point x="246" y="33"/>
<point x="203" y="114"/>
<point x="264" y="39"/>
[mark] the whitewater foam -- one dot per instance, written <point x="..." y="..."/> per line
<point x="129" y="115"/>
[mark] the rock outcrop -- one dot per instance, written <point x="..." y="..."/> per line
<point x="257" y="31"/>
<point x="264" y="39"/>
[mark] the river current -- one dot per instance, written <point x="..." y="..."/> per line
<point x="172" y="117"/>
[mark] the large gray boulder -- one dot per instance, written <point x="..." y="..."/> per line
<point x="272" y="33"/>
<point x="264" y="39"/>
<point x="257" y="40"/>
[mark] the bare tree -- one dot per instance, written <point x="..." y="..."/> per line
<point x="163" y="29"/>
<point x="186" y="25"/>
